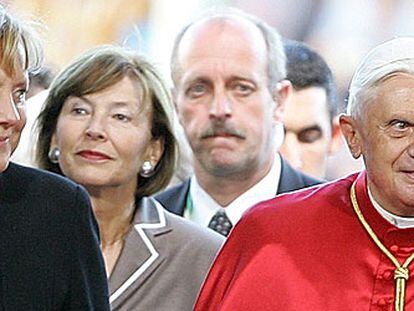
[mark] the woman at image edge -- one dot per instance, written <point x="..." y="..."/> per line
<point x="49" y="245"/>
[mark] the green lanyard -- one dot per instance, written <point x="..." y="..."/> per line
<point x="189" y="206"/>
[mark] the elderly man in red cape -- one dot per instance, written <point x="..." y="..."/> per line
<point x="345" y="245"/>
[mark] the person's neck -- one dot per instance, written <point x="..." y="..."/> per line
<point x="114" y="209"/>
<point x="225" y="189"/>
<point x="395" y="208"/>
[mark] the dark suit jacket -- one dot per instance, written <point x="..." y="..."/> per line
<point x="174" y="199"/>
<point x="49" y="244"/>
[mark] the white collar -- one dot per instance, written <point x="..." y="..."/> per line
<point x="398" y="221"/>
<point x="204" y="206"/>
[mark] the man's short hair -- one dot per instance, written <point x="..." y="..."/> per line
<point x="19" y="44"/>
<point x="388" y="58"/>
<point x="276" y="59"/>
<point x="306" y="68"/>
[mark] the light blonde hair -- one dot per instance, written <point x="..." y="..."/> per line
<point x="19" y="44"/>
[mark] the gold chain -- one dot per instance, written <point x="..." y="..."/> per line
<point x="401" y="272"/>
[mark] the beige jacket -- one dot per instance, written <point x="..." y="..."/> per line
<point x="164" y="262"/>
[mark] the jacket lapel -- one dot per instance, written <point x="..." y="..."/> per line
<point x="140" y="256"/>
<point x="174" y="199"/>
<point x="289" y="179"/>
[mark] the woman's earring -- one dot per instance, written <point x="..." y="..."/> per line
<point x="54" y="155"/>
<point x="147" y="169"/>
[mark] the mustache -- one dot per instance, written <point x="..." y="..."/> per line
<point x="222" y="130"/>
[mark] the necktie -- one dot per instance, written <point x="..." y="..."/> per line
<point x="220" y="223"/>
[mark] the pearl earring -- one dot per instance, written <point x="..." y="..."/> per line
<point x="147" y="169"/>
<point x="54" y="155"/>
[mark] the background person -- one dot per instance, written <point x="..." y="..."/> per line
<point x="106" y="125"/>
<point x="310" y="118"/>
<point x="49" y="247"/>
<point x="228" y="71"/>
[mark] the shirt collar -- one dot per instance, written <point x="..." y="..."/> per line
<point x="204" y="206"/>
<point x="398" y="221"/>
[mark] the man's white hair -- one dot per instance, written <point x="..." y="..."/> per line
<point x="396" y="55"/>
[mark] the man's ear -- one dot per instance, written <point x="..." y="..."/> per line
<point x="352" y="135"/>
<point x="336" y="136"/>
<point x="174" y="96"/>
<point x="280" y="95"/>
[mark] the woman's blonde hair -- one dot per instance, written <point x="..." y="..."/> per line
<point x="19" y="44"/>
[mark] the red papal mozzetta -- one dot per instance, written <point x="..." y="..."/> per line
<point x="308" y="250"/>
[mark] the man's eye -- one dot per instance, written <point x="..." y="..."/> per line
<point x="243" y="89"/>
<point x="196" y="90"/>
<point x="399" y="128"/>
<point x="400" y="125"/>
<point x="309" y="135"/>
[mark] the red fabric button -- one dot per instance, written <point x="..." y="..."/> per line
<point x="394" y="248"/>
<point x="381" y="302"/>
<point x="387" y="275"/>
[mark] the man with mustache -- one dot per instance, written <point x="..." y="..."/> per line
<point x="228" y="71"/>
